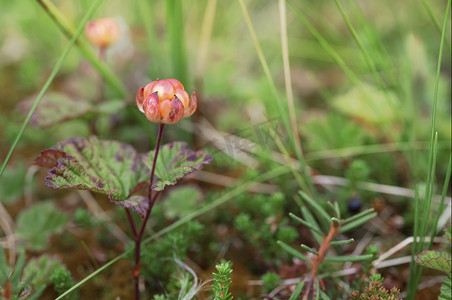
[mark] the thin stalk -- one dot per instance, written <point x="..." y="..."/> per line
<point x="325" y="44"/>
<point x="206" y="32"/>
<point x="131" y="222"/>
<point x="364" y="51"/>
<point x="52" y="76"/>
<point x="441" y="204"/>
<point x="144" y="9"/>
<point x="367" y="58"/>
<point x="139" y="236"/>
<point x="283" y="110"/>
<point x="416" y="272"/>
<point x="287" y="76"/>
<point x="435" y="21"/>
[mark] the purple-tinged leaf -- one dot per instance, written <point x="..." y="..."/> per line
<point x="107" y="167"/>
<point x="175" y="162"/>
<point x="55" y="108"/>
<point x="440" y="261"/>
<point x="139" y="204"/>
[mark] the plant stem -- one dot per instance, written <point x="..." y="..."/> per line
<point x="139" y="236"/>
<point x="131" y="222"/>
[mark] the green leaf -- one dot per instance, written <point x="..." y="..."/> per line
<point x="107" y="167"/>
<point x="437" y="260"/>
<point x="358" y="222"/>
<point x="55" y="108"/>
<point x="446" y="289"/>
<point x="448" y="233"/>
<point x="175" y="162"/>
<point x="139" y="204"/>
<point x="35" y="224"/>
<point x="349" y="258"/>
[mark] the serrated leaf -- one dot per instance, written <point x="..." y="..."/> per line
<point x="107" y="167"/>
<point x="448" y="233"/>
<point x="175" y="162"/>
<point x="437" y="260"/>
<point x="446" y="289"/>
<point x="35" y="224"/>
<point x="139" y="204"/>
<point x="55" y="108"/>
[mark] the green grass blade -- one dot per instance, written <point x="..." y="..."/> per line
<point x="416" y="271"/>
<point x="283" y="109"/>
<point x="287" y="76"/>
<point x="441" y="204"/>
<point x="325" y="44"/>
<point x="44" y="89"/>
<point x="435" y="21"/>
<point x="175" y="27"/>
<point x="144" y="7"/>
<point x="364" y="51"/>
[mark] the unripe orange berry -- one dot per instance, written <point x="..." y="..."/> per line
<point x="165" y="101"/>
<point x="102" y="32"/>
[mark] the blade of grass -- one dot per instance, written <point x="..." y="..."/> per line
<point x="372" y="149"/>
<point x="175" y="27"/>
<point x="367" y="58"/>
<point x="416" y="273"/>
<point x="364" y="51"/>
<point x="283" y="109"/>
<point x="144" y="8"/>
<point x="69" y="31"/>
<point x="435" y="21"/>
<point x="325" y="44"/>
<point x="206" y="32"/>
<point x="287" y="76"/>
<point x="435" y="228"/>
<point x="55" y="70"/>
<point x="221" y="200"/>
<point x="414" y="268"/>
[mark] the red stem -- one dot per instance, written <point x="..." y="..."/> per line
<point x="139" y="236"/>
<point x="131" y="222"/>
